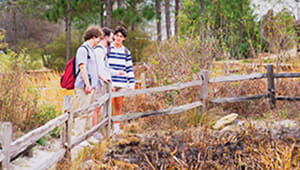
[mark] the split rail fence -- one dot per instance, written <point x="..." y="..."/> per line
<point x="12" y="149"/>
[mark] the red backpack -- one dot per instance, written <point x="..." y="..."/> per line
<point x="67" y="80"/>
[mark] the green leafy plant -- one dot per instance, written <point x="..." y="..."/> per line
<point x="44" y="113"/>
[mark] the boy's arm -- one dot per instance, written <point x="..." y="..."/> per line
<point x="84" y="75"/>
<point x="129" y="71"/>
<point x="100" y="55"/>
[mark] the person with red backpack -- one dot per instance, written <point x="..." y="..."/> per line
<point x="87" y="75"/>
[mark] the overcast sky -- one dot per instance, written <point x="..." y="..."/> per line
<point x="261" y="7"/>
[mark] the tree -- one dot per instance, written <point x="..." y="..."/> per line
<point x="14" y="25"/>
<point x="11" y="6"/>
<point x="109" y="9"/>
<point x="55" y="11"/>
<point x="168" y="20"/>
<point x="119" y="3"/>
<point x="102" y="13"/>
<point x="176" y="17"/>
<point x="202" y="21"/>
<point x="133" y="22"/>
<point x="225" y="21"/>
<point x="134" y="12"/>
<point x="158" y="19"/>
<point x="68" y="30"/>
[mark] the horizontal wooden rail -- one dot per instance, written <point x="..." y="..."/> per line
<point x="287" y="75"/>
<point x="89" y="132"/>
<point x="53" y="160"/>
<point x="92" y="107"/>
<point x="169" y="111"/>
<point x="176" y="86"/>
<point x="238" y="99"/>
<point x="230" y="78"/>
<point x="288" y="98"/>
<point x="30" y="138"/>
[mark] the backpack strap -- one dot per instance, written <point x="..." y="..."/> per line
<point x="86" y="50"/>
<point x="88" y="56"/>
<point x="98" y="46"/>
<point x="108" y="50"/>
<point x="126" y="53"/>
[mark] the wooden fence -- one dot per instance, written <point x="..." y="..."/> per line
<point x="10" y="149"/>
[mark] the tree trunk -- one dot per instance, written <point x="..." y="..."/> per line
<point x="119" y="4"/>
<point x="14" y="25"/>
<point x="202" y="20"/>
<point x="133" y="23"/>
<point x="101" y="13"/>
<point x="109" y="5"/>
<point x="176" y="18"/>
<point x="133" y="26"/>
<point x="168" y="21"/>
<point x="68" y="30"/>
<point x="241" y="22"/>
<point x="158" y="20"/>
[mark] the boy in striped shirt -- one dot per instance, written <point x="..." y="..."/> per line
<point x="120" y="65"/>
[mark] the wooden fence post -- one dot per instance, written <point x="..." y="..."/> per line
<point x="68" y="107"/>
<point x="204" y="88"/>
<point x="107" y="109"/>
<point x="6" y="139"/>
<point x="271" y="87"/>
<point x="143" y="79"/>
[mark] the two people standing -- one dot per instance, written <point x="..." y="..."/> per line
<point x="101" y="60"/>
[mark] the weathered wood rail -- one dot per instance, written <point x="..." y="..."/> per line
<point x="12" y="148"/>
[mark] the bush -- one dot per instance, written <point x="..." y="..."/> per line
<point x="35" y="53"/>
<point x="176" y="61"/>
<point x="18" y="98"/>
<point x="55" y="53"/>
<point x="237" y="32"/>
<point x="136" y="42"/>
<point x="18" y="95"/>
<point x="43" y="114"/>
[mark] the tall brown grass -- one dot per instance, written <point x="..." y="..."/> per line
<point x="18" y="98"/>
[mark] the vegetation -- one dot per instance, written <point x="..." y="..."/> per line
<point x="223" y="36"/>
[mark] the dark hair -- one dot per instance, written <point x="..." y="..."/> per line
<point x="122" y="30"/>
<point x="107" y="31"/>
<point x="92" y="31"/>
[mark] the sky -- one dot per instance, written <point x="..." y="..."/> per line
<point x="261" y="7"/>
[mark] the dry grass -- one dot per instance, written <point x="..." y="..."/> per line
<point x="23" y="94"/>
<point x="48" y="85"/>
<point x="18" y="99"/>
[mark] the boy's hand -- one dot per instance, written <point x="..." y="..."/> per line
<point x="88" y="89"/>
<point x="107" y="81"/>
<point x="113" y="89"/>
<point x="121" y="73"/>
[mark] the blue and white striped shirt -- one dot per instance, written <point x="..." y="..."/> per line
<point x="118" y="60"/>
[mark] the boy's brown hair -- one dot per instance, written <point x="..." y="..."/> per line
<point x="122" y="30"/>
<point x="92" y="31"/>
<point x="107" y="31"/>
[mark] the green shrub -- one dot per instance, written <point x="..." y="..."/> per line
<point x="18" y="95"/>
<point x="55" y="53"/>
<point x="44" y="113"/>
<point x="35" y="53"/>
<point x="136" y="42"/>
<point x="233" y="30"/>
<point x="18" y="98"/>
